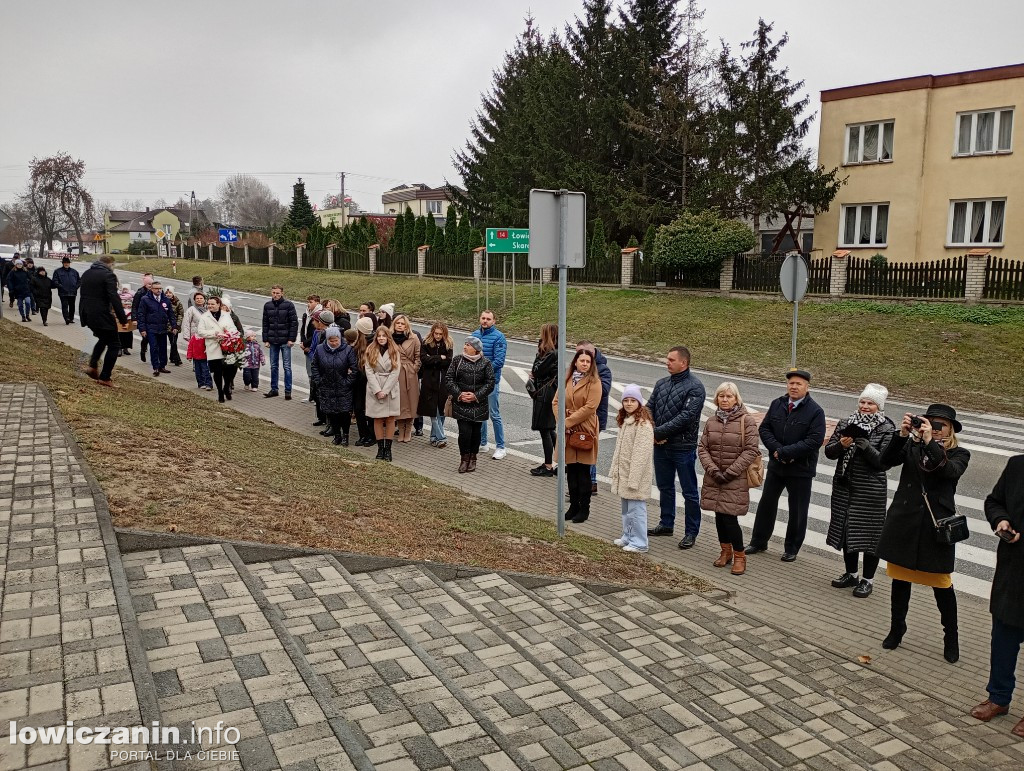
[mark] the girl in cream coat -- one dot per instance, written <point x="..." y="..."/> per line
<point x="383" y="391"/>
<point x="632" y="469"/>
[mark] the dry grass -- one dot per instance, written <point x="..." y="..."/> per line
<point x="168" y="459"/>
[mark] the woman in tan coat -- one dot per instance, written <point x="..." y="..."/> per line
<point x="727" y="447"/>
<point x="408" y="379"/>
<point x="582" y="396"/>
<point x="383" y="395"/>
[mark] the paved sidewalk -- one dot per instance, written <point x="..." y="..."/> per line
<point x="794" y="596"/>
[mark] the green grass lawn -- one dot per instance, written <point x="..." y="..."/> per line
<point x="971" y="356"/>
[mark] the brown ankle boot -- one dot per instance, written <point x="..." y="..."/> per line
<point x="739" y="563"/>
<point x="464" y="466"/>
<point x="725" y="557"/>
<point x="472" y="462"/>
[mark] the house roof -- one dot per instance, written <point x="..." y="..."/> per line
<point x="415" y="192"/>
<point x="135" y="225"/>
<point x="924" y="81"/>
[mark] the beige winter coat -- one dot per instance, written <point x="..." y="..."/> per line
<point x="408" y="379"/>
<point x="633" y="460"/>
<point x="209" y="328"/>
<point x="722" y="448"/>
<point x="383" y="378"/>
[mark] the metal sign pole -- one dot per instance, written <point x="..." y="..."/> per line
<point x="563" y="216"/>
<point x="487" y="280"/>
<point x="504" y="280"/>
<point x="796" y="313"/>
<point x="513" y="280"/>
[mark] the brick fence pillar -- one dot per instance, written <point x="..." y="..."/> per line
<point x="195" y="251"/>
<point x="209" y="249"/>
<point x="976" y="261"/>
<point x="545" y="275"/>
<point x="247" y="254"/>
<point x="373" y="259"/>
<point x="421" y="261"/>
<point x="725" y="277"/>
<point x="270" y="255"/>
<point x="299" y="248"/>
<point x="840" y="265"/>
<point x="330" y="256"/>
<point x="626" y="271"/>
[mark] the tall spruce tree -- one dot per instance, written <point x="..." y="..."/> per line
<point x="300" y="215"/>
<point x="598" y="243"/>
<point x="465" y="234"/>
<point x="436" y="239"/>
<point x="408" y="231"/>
<point x="451" y="231"/>
<point x="428" y="237"/>
<point x="419" y="233"/>
<point x="397" y="241"/>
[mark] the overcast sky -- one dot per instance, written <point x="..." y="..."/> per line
<point x="163" y="98"/>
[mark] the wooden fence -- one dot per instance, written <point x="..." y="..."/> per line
<point x="938" y="279"/>
<point x="1004" y="279"/>
<point x="760" y="273"/>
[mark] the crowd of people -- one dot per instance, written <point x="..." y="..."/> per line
<point x="380" y="373"/>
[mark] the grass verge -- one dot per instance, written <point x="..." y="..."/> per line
<point x="168" y="459"/>
<point x="969" y="356"/>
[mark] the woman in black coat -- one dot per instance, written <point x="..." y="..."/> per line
<point x="544" y="376"/>
<point x="933" y="463"/>
<point x="435" y="357"/>
<point x="470" y="380"/>
<point x="42" y="292"/>
<point x="333" y="369"/>
<point x="860" y="487"/>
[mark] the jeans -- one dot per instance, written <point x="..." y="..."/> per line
<point x="157" y="349"/>
<point x="1006" y="642"/>
<point x="251" y="376"/>
<point x="799" y="490"/>
<point x="593" y="475"/>
<point x="634" y="523"/>
<point x="437" y="428"/>
<point x="285" y="353"/>
<point x="202" y="370"/>
<point x="669" y="463"/>
<point x="67" y="307"/>
<point x="24" y="306"/>
<point x="499" y="428"/>
<point x="112" y="343"/>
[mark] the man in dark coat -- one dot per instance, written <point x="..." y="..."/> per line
<point x="605" y="373"/>
<point x="100" y="311"/>
<point x="676" y="404"/>
<point x="142" y="291"/>
<point x="280" y="331"/>
<point x="66" y="281"/>
<point x="793" y="430"/>
<point x="1004" y="509"/>
<point x="156" y="316"/>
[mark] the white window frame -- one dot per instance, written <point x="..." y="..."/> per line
<point x="844" y="212"/>
<point x="859" y="127"/>
<point x="997" y="118"/>
<point x="431" y="204"/>
<point x="988" y="222"/>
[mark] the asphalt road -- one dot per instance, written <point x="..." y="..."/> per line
<point x="990" y="438"/>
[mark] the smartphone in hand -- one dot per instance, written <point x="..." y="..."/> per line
<point x="1007" y="535"/>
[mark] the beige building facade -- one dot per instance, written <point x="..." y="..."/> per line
<point x="931" y="163"/>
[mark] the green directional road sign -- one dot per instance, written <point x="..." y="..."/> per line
<point x="508" y="240"/>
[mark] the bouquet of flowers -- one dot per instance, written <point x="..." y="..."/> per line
<point x="232" y="342"/>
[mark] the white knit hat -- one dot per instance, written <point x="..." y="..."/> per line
<point x="225" y="300"/>
<point x="388" y="308"/>
<point x="876" y="393"/>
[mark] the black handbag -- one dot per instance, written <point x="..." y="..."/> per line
<point x="948" y="530"/>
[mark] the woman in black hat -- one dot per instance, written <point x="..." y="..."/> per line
<point x="933" y="463"/>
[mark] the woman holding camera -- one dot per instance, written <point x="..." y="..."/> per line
<point x="933" y="463"/>
<point x="860" y="487"/>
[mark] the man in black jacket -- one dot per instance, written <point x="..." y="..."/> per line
<point x="100" y="310"/>
<point x="676" y="404"/>
<point x="142" y="291"/>
<point x="793" y="430"/>
<point x="280" y="330"/>
<point x="1004" y="509"/>
<point x="66" y="280"/>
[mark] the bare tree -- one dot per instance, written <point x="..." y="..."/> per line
<point x="23" y="227"/>
<point x="50" y="221"/>
<point x="60" y="177"/>
<point x="132" y="204"/>
<point x="247" y="201"/>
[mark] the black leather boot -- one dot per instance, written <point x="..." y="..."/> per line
<point x="946" y="600"/>
<point x="900" y="606"/>
<point x="380" y="450"/>
<point x="387" y="450"/>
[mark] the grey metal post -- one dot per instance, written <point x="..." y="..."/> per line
<point x="504" y="280"/>
<point x="513" y="280"/>
<point x="487" y="279"/>
<point x="563" y="215"/>
<point x="796" y="314"/>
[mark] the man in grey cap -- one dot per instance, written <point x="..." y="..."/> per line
<point x="793" y="430"/>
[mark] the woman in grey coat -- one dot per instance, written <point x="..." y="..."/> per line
<point x="860" y="487"/>
<point x="469" y="381"/>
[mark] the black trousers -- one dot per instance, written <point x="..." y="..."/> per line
<point x="799" y="490"/>
<point x="469" y="437"/>
<point x="105" y="340"/>
<point x="729" y="530"/>
<point x="578" y="477"/>
<point x="364" y="424"/>
<point x="340" y="422"/>
<point x="870" y="564"/>
<point x="223" y="375"/>
<point x="126" y="340"/>
<point x="42" y="313"/>
<point x="547" y="440"/>
<point x="174" y="354"/>
<point x="67" y="307"/>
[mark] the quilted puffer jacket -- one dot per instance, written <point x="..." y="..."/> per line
<point x="280" y="322"/>
<point x="676" y="404"/>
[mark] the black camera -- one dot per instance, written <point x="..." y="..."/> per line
<point x="916" y="421"/>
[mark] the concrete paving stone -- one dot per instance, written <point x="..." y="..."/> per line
<point x="250" y="666"/>
<point x="257" y="754"/>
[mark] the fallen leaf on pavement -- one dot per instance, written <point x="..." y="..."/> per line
<point x="863" y="659"/>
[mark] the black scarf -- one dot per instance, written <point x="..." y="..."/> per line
<point x="216" y="314"/>
<point x="400" y="337"/>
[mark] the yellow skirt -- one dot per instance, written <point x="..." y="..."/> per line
<point x="938" y="580"/>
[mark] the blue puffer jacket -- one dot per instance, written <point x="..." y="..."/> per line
<point x="605" y="373"/>
<point x="676" y="404"/>
<point x="495" y="348"/>
<point x="155" y="314"/>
